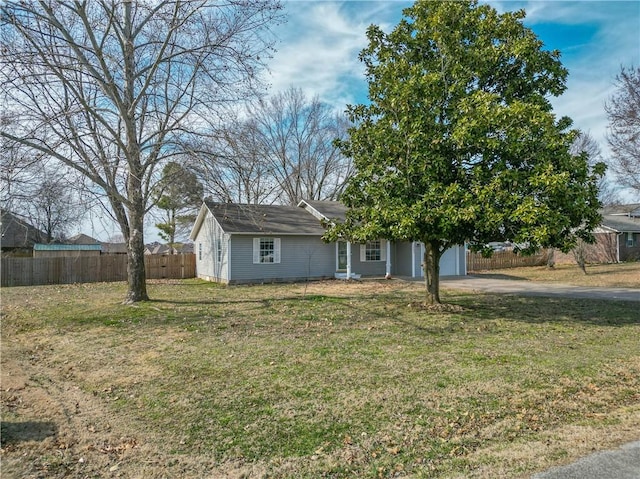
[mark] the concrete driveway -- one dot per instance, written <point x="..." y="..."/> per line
<point x="533" y="288"/>
<point x="621" y="463"/>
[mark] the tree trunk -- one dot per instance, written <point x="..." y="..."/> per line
<point x="136" y="273"/>
<point x="431" y="266"/>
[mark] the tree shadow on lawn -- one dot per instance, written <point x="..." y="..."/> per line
<point x="543" y="309"/>
<point x="509" y="277"/>
<point x="14" y="432"/>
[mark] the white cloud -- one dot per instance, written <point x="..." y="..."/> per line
<point x="320" y="45"/>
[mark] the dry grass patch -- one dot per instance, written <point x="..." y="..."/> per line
<point x="621" y="275"/>
<point x="312" y="380"/>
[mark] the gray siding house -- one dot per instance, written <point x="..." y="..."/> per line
<point x="258" y="243"/>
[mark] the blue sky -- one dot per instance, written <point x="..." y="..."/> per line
<point x="319" y="46"/>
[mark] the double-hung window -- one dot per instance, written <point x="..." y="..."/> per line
<point x="266" y="250"/>
<point x="219" y="249"/>
<point x="373" y="251"/>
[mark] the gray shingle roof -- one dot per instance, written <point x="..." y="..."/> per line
<point x="264" y="219"/>
<point x="331" y="210"/>
<point x="622" y="223"/>
<point x="621" y="209"/>
<point x="17" y="233"/>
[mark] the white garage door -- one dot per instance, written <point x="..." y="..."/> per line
<point x="449" y="262"/>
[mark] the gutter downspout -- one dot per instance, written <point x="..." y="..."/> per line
<point x="229" y="260"/>
<point x="413" y="259"/>
<point x="388" y="263"/>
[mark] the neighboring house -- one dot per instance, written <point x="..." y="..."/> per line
<point x="623" y="222"/>
<point x="258" y="243"/>
<point x="158" y="248"/>
<point x="617" y="237"/>
<point x="106" y="248"/>
<point x="18" y="236"/>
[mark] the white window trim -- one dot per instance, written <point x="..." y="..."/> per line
<point x="256" y="250"/>
<point x="383" y="252"/>
<point x="219" y="249"/>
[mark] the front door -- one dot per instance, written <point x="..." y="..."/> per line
<point x="342" y="255"/>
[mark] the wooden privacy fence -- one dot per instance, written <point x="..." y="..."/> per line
<point x="91" y="269"/>
<point x="504" y="259"/>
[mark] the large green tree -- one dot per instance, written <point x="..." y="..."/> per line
<point x="459" y="142"/>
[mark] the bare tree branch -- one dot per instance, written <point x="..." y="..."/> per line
<point x="623" y="111"/>
<point x="116" y="88"/>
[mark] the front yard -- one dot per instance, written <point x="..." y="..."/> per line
<point x="320" y="380"/>
<point x="621" y="275"/>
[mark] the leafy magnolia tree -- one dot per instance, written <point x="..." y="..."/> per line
<point x="116" y="88"/>
<point x="623" y="111"/>
<point x="459" y="142"/>
<point x="179" y="194"/>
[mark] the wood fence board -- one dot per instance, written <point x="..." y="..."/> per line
<point x="504" y="259"/>
<point x="90" y="269"/>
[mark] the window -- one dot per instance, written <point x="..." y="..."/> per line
<point x="200" y="251"/>
<point x="266" y="250"/>
<point x="630" y="240"/>
<point x="373" y="251"/>
<point x="219" y="249"/>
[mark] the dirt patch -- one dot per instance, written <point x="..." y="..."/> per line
<point x="50" y="428"/>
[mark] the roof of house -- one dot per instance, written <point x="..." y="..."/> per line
<point x="260" y="219"/>
<point x="66" y="247"/>
<point x="17" y="233"/>
<point x="82" y="239"/>
<point x="621" y="224"/>
<point x="264" y="219"/>
<point x="325" y="210"/>
<point x="632" y="209"/>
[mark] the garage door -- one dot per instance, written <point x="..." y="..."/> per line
<point x="448" y="263"/>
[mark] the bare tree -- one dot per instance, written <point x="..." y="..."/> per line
<point x="586" y="144"/>
<point x="116" y="88"/>
<point x="20" y="170"/>
<point x="238" y="171"/>
<point x="33" y="189"/>
<point x="53" y="207"/>
<point x="281" y="150"/>
<point x="297" y="137"/>
<point x="623" y="111"/>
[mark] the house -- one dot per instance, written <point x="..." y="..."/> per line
<point x="105" y="248"/>
<point x="18" y="236"/>
<point x="621" y="225"/>
<point x="271" y="243"/>
<point x="616" y="239"/>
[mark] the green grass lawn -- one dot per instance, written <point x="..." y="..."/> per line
<point x="331" y="379"/>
